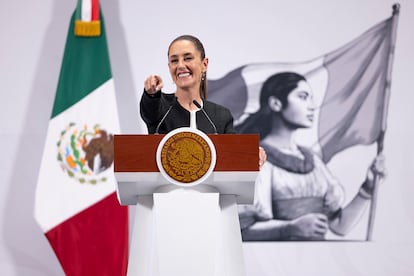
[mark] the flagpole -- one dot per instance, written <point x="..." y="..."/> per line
<point x="380" y="140"/>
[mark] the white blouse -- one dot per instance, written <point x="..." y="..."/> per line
<point x="275" y="184"/>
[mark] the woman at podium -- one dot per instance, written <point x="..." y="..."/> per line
<point x="187" y="107"/>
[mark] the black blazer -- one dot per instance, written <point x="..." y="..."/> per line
<point x="154" y="107"/>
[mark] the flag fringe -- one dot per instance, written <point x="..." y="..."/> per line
<point x="88" y="28"/>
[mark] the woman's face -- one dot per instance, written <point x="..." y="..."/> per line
<point x="185" y="64"/>
<point x="299" y="111"/>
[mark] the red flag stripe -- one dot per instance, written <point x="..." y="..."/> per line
<point x="78" y="254"/>
<point x="95" y="10"/>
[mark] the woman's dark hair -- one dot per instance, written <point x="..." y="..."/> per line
<point x="279" y="86"/>
<point x="199" y="46"/>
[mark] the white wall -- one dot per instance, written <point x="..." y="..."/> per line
<point x="234" y="32"/>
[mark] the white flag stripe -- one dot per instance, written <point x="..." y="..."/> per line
<point x="86" y="10"/>
<point x="50" y="210"/>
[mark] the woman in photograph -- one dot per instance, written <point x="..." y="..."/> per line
<point x="296" y="196"/>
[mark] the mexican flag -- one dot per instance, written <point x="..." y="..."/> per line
<point x="350" y="87"/>
<point x="76" y="204"/>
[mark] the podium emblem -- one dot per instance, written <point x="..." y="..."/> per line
<point x="186" y="156"/>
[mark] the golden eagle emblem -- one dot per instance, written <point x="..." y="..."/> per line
<point x="85" y="153"/>
<point x="186" y="157"/>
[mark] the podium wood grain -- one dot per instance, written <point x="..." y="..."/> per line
<point x="137" y="153"/>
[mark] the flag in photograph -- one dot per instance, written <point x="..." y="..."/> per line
<point x="76" y="204"/>
<point x="350" y="87"/>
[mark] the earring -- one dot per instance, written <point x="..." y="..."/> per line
<point x="203" y="76"/>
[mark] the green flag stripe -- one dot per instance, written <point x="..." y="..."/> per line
<point x="85" y="67"/>
<point x="78" y="10"/>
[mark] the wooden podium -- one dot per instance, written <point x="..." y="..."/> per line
<point x="186" y="229"/>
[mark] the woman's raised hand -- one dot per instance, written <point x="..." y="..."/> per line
<point x="153" y="84"/>
<point x="377" y="168"/>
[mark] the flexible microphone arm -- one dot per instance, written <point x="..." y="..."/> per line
<point x="205" y="113"/>
<point x="162" y="120"/>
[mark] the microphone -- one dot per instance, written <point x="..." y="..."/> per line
<point x="162" y="120"/>
<point x="205" y="113"/>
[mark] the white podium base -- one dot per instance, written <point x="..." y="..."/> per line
<point x="186" y="232"/>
